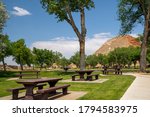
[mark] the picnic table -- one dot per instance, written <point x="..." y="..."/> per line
<point x="116" y="69"/>
<point x="83" y="72"/>
<point x="28" y="73"/>
<point x="29" y="84"/>
<point x="66" y="68"/>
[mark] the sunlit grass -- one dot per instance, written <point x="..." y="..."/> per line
<point x="112" y="89"/>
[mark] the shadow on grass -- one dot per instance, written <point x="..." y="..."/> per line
<point x="7" y="74"/>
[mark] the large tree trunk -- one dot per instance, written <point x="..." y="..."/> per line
<point x="4" y="65"/>
<point x="81" y="35"/>
<point x="82" y="55"/>
<point x="82" y="40"/>
<point x="143" y="54"/>
<point x="21" y="66"/>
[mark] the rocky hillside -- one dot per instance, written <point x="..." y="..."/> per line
<point x="117" y="42"/>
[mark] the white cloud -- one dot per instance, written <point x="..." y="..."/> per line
<point x="68" y="46"/>
<point x="9" y="61"/>
<point x="134" y="35"/>
<point x="20" y="11"/>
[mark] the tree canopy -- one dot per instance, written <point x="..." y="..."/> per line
<point x="130" y="13"/>
<point x="45" y="57"/>
<point x="63" y="10"/>
<point x="3" y="16"/>
<point x="75" y="59"/>
<point x="5" y="48"/>
<point x="22" y="55"/>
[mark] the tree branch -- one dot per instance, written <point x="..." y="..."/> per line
<point x="70" y="20"/>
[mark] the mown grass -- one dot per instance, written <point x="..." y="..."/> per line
<point x="112" y="89"/>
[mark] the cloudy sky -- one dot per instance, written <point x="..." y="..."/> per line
<point x="28" y="20"/>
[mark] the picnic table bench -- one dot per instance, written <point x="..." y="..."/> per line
<point x="74" y="76"/>
<point x="90" y="77"/>
<point x="28" y="73"/>
<point x="15" y="91"/>
<point x="41" y="93"/>
<point x="45" y="92"/>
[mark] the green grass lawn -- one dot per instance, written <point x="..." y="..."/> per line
<point x="112" y="89"/>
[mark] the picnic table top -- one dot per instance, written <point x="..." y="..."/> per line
<point x="35" y="81"/>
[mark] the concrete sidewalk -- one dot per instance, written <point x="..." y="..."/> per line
<point x="139" y="89"/>
<point x="72" y="95"/>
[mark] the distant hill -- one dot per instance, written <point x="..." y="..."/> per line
<point x="117" y="42"/>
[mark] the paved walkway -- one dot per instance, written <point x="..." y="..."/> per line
<point x="139" y="89"/>
<point x="72" y="95"/>
<point x="86" y="81"/>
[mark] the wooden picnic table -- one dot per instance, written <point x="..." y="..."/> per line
<point x="28" y="73"/>
<point x="29" y="84"/>
<point x="116" y="69"/>
<point x="83" y="72"/>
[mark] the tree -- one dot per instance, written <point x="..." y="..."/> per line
<point x="135" y="55"/>
<point x="3" y="16"/>
<point x="45" y="57"/>
<point x="132" y="12"/>
<point x="21" y="53"/>
<point x="29" y="59"/>
<point x="92" y="60"/>
<point x="119" y="56"/>
<point x="102" y="59"/>
<point x="63" y="10"/>
<point x="39" y="56"/>
<point x="5" y="49"/>
<point x="57" y="57"/>
<point x="124" y="56"/>
<point x="64" y="62"/>
<point x="75" y="59"/>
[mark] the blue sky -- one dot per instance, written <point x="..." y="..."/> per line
<point x="28" y="20"/>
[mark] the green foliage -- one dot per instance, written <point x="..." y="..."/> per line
<point x="92" y="60"/>
<point x="130" y="13"/>
<point x="61" y="8"/>
<point x="3" y="16"/>
<point x="7" y="74"/>
<point x="40" y="56"/>
<point x="56" y="57"/>
<point x="64" y="62"/>
<point x="102" y="59"/>
<point x="75" y="59"/>
<point x="5" y="46"/>
<point x="22" y="55"/>
<point x="45" y="57"/>
<point x="5" y="49"/>
<point x="124" y="56"/>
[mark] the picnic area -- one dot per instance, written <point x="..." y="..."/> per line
<point x="113" y="88"/>
<point x="81" y="58"/>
